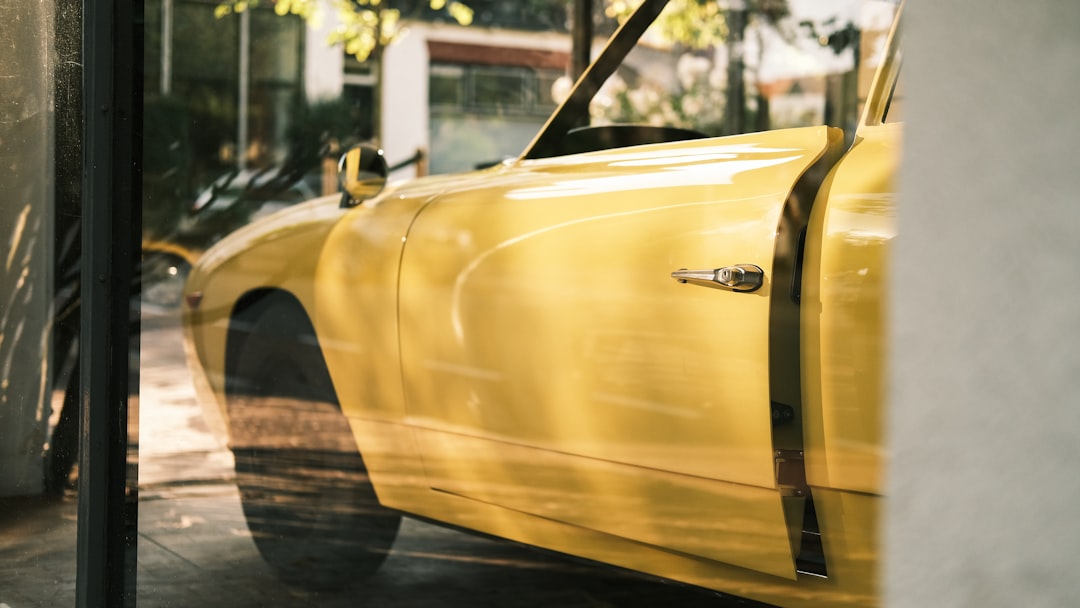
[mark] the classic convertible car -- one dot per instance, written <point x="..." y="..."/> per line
<point x="642" y="345"/>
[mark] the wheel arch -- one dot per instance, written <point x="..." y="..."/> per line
<point x="248" y="310"/>
<point x="309" y="503"/>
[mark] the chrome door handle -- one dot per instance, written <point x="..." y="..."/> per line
<point x="741" y="277"/>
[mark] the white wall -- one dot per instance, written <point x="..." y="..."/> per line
<point x="405" y="118"/>
<point x="324" y="65"/>
<point x="984" y="490"/>
<point x="405" y="99"/>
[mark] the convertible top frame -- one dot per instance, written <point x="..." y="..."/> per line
<point x="548" y="142"/>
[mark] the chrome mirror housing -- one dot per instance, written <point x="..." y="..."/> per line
<point x="362" y="173"/>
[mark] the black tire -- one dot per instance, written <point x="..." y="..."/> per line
<point x="309" y="504"/>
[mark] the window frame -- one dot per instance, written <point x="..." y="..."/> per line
<point x="107" y="526"/>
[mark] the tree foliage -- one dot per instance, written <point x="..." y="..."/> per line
<point x="693" y="23"/>
<point x="699" y="24"/>
<point x="365" y="27"/>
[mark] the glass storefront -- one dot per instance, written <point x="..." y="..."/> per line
<point x="229" y="135"/>
<point x="37" y="522"/>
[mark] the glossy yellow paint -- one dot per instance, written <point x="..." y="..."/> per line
<point x="280" y="253"/>
<point x="441" y="305"/>
<point x="844" y="300"/>
<point x="169" y="248"/>
<point x="345" y="268"/>
<point x="540" y="324"/>
<point x="549" y="290"/>
<point x="356" y="318"/>
<point x="844" y="315"/>
<point x="851" y="528"/>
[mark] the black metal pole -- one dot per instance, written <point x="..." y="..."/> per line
<point x="736" y="93"/>
<point x="110" y="236"/>
<point x="581" y="37"/>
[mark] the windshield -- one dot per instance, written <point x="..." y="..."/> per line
<point x="709" y="71"/>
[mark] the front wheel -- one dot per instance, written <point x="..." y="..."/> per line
<point x="310" y="507"/>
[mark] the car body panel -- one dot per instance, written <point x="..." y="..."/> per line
<point x="618" y="355"/>
<point x="843" y="308"/>
<point x="279" y="253"/>
<point x="356" y="318"/>
<point x="620" y="364"/>
<point x="843" y="313"/>
<point x="514" y="357"/>
<point x="850" y="526"/>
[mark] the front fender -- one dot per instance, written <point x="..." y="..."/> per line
<point x="278" y="253"/>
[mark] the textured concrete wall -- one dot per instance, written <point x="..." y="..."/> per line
<point x="984" y="505"/>
<point x="25" y="232"/>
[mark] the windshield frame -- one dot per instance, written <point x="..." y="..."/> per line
<point x="572" y="112"/>
<point x="883" y="86"/>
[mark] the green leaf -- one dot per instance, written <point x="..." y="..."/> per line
<point x="461" y="13"/>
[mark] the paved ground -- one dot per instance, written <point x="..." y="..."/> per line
<point x="194" y="548"/>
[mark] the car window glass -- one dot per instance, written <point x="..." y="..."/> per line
<point x="723" y="72"/>
<point x="895" y="111"/>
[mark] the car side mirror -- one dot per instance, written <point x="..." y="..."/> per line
<point x="362" y="173"/>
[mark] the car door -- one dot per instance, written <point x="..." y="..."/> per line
<point x="552" y="364"/>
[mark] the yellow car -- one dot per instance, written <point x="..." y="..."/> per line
<point x="636" y="344"/>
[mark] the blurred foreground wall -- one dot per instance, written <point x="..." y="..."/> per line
<point x="985" y="397"/>
<point x="25" y="269"/>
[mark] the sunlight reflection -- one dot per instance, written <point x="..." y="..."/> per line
<point x="16" y="236"/>
<point x="479" y="259"/>
<point x="709" y="175"/>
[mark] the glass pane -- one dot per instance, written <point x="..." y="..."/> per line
<point x="253" y="490"/>
<point x="40" y="122"/>
<point x="205" y="47"/>
<point x="545" y="91"/>
<point x="895" y="111"/>
<point x="276" y="46"/>
<point x="462" y="143"/>
<point x="205" y="114"/>
<point x="722" y="72"/>
<point x="359" y="101"/>
<point x="445" y="88"/>
<point x="501" y="90"/>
